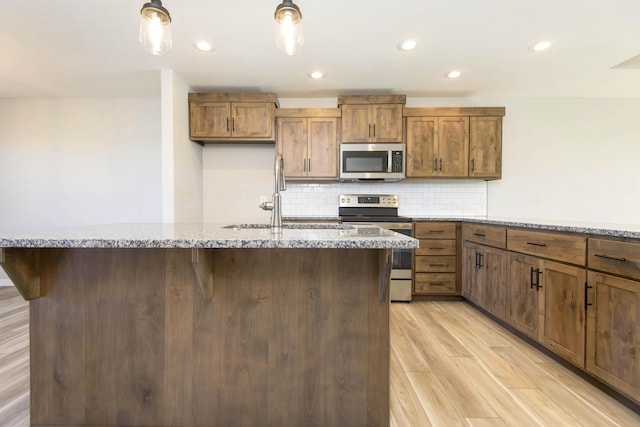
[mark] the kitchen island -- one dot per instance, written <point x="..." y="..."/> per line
<point x="205" y="325"/>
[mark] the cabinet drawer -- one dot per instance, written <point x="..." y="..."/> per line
<point x="438" y="283"/>
<point x="619" y="258"/>
<point x="489" y="235"/>
<point x="556" y="246"/>
<point x="435" y="230"/>
<point x="435" y="264"/>
<point x="436" y="247"/>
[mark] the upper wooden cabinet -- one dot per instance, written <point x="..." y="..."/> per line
<point x="454" y="142"/>
<point x="307" y="140"/>
<point x="437" y="147"/>
<point x="367" y="119"/>
<point x="485" y="147"/>
<point x="232" y="117"/>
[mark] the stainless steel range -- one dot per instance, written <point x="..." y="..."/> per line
<point x="382" y="210"/>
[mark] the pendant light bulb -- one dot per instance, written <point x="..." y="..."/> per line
<point x="289" y="38"/>
<point x="155" y="28"/>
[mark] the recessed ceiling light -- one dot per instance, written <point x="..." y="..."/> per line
<point x="540" y="46"/>
<point x="204" y="45"/>
<point x="316" y="75"/>
<point x="408" y="44"/>
<point x="454" y="74"/>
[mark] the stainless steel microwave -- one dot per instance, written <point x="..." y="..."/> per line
<point x="372" y="162"/>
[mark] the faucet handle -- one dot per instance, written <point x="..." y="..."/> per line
<point x="267" y="206"/>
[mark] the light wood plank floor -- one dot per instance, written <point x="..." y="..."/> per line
<point x="450" y="366"/>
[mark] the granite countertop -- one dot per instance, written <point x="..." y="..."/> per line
<point x="210" y="236"/>
<point x="594" y="228"/>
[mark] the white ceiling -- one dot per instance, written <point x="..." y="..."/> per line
<point x="71" y="48"/>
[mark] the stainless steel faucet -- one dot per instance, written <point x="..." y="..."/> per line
<point x="275" y="206"/>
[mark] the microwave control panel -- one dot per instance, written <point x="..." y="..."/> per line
<point x="396" y="161"/>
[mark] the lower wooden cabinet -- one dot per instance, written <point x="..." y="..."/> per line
<point x="545" y="300"/>
<point x="470" y="274"/>
<point x="522" y="295"/>
<point x="613" y="332"/>
<point x="578" y="296"/>
<point x="484" y="277"/>
<point x="436" y="260"/>
<point x="563" y="290"/>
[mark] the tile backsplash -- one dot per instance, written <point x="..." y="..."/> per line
<point x="416" y="198"/>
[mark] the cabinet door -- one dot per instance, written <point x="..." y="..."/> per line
<point x="322" y="152"/>
<point x="563" y="331"/>
<point x="470" y="276"/>
<point x="292" y="144"/>
<point x="493" y="270"/>
<point x="453" y="146"/>
<point x="522" y="299"/>
<point x="485" y="147"/>
<point x="252" y="120"/>
<point x="613" y="332"/>
<point x="356" y="123"/>
<point x="387" y="123"/>
<point x="421" y="146"/>
<point x="210" y="119"/>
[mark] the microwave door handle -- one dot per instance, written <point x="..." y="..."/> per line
<point x="389" y="162"/>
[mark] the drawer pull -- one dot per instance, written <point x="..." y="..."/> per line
<point x="436" y="248"/>
<point x="436" y="265"/>
<point x="480" y="234"/>
<point x="536" y="244"/>
<point x="436" y="231"/>
<point x="436" y="283"/>
<point x="611" y="258"/>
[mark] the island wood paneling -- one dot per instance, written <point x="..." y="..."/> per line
<point x="289" y="337"/>
<point x="426" y="340"/>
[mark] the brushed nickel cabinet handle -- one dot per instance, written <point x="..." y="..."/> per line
<point x="480" y="234"/>
<point x="436" y="283"/>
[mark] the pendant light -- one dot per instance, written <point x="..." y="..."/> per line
<point x="155" y="28"/>
<point x="289" y="28"/>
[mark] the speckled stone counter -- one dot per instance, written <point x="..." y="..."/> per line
<point x="211" y="236"/>
<point x="593" y="228"/>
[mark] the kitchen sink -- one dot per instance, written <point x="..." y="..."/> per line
<point x="293" y="226"/>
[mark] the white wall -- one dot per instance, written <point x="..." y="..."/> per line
<point x="73" y="162"/>
<point x="181" y="158"/>
<point x="570" y="159"/>
<point x="234" y="178"/>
